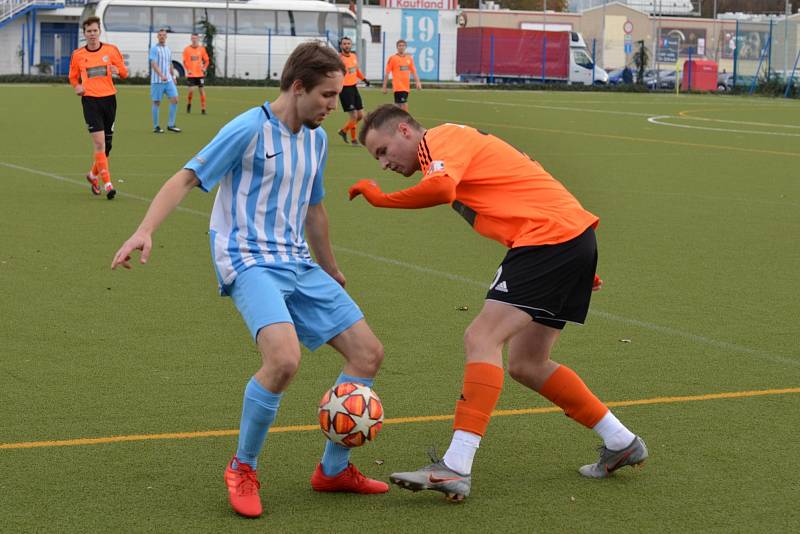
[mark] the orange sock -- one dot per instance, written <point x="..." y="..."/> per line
<point x="94" y="170"/>
<point x="566" y="390"/>
<point x="101" y="162"/>
<point x="347" y="126"/>
<point x="353" y="127"/>
<point x="482" y="385"/>
<point x="203" y="100"/>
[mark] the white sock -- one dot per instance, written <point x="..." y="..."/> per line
<point x="462" y="451"/>
<point x="615" y="435"/>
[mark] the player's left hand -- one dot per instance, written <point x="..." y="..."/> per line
<point x="369" y="188"/>
<point x="114" y="70"/>
<point x="366" y="82"/>
<point x="339" y="277"/>
<point x="597" y="285"/>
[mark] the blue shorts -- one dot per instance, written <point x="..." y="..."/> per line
<point x="157" y="91"/>
<point x="298" y="293"/>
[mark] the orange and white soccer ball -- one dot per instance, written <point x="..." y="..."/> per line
<point x="350" y="414"/>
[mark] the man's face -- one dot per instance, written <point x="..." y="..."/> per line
<point x="395" y="147"/>
<point x="92" y="33"/>
<point x="195" y="40"/>
<point x="401" y="48"/>
<point x="162" y="37"/>
<point x="347" y="45"/>
<point x="314" y="105"/>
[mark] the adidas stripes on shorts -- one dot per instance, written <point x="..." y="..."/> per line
<point x="552" y="283"/>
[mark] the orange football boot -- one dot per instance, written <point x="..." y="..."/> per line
<point x="350" y="480"/>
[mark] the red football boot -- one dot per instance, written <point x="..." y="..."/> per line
<point x="243" y="488"/>
<point x="350" y="480"/>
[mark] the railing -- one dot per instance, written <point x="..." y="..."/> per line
<point x="11" y="8"/>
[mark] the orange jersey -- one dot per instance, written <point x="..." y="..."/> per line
<point x="353" y="73"/>
<point x="195" y="60"/>
<point x="92" y="69"/>
<point x="504" y="194"/>
<point x="401" y="67"/>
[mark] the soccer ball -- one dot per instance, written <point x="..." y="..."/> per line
<point x="350" y="414"/>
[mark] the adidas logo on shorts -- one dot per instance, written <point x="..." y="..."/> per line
<point x="501" y="287"/>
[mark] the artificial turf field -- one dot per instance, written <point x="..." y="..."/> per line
<point x="698" y="248"/>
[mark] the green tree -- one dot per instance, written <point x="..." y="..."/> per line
<point x="209" y="31"/>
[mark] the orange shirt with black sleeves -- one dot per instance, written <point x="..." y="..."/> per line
<point x="92" y="69"/>
<point x="401" y="67"/>
<point x="353" y="73"/>
<point x="507" y="196"/>
<point x="195" y="60"/>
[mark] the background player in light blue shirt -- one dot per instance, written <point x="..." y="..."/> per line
<point x="162" y="81"/>
<point x="268" y="163"/>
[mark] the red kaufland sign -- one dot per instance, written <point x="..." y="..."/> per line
<point x="421" y="4"/>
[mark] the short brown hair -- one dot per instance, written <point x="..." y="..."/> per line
<point x="400" y="41"/>
<point x="310" y="63"/>
<point x="89" y="22"/>
<point x="386" y="115"/>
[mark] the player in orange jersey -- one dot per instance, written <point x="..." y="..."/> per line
<point x="401" y="67"/>
<point x="195" y="61"/>
<point x="349" y="97"/>
<point x="90" y="72"/>
<point x="544" y="281"/>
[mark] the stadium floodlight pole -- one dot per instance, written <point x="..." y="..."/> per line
<point x="359" y="51"/>
<point x="603" y="41"/>
<point x="226" y="38"/>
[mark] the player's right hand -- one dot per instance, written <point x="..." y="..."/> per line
<point x="164" y="78"/>
<point x="137" y="241"/>
<point x="79" y="90"/>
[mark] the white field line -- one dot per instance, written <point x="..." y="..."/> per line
<point x="650" y="116"/>
<point x="456" y="278"/>
<point x="657" y="120"/>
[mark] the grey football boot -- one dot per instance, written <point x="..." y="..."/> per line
<point x="437" y="477"/>
<point x="634" y="455"/>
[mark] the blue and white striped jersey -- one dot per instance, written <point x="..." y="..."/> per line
<point x="268" y="176"/>
<point x="162" y="55"/>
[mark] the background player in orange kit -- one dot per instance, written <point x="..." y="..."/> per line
<point x="350" y="97"/>
<point x="401" y="67"/>
<point x="544" y="281"/>
<point x="90" y="70"/>
<point x="195" y="61"/>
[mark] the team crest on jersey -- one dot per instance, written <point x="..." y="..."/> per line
<point x="201" y="160"/>
<point x="435" y="166"/>
<point x="105" y="59"/>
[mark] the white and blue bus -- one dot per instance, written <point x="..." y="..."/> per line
<point x="260" y="34"/>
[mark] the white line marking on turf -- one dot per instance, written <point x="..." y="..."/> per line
<point x="412" y="266"/>
<point x="559" y="108"/>
<point x="657" y="120"/>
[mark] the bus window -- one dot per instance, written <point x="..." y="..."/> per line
<point x="307" y="23"/>
<point x="127" y="18"/>
<point x="348" y="25"/>
<point x="174" y="19"/>
<point x="217" y="18"/>
<point x="284" y="24"/>
<point x="332" y="25"/>
<point x="250" y="22"/>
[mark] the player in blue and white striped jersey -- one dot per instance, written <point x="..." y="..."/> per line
<point x="268" y="163"/>
<point x="162" y="81"/>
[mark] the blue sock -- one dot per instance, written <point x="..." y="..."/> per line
<point x="173" y="109"/>
<point x="258" y="411"/>
<point x="155" y="116"/>
<point x="335" y="458"/>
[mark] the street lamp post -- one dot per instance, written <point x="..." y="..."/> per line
<point x="226" y="38"/>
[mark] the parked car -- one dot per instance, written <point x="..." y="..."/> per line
<point x="653" y="79"/>
<point x="616" y="76"/>
<point x="725" y="81"/>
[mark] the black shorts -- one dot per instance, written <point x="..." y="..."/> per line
<point x="400" y="97"/>
<point x="552" y="283"/>
<point x="100" y="112"/>
<point x="350" y="98"/>
<point x="196" y="82"/>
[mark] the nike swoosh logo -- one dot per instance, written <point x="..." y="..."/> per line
<point x="620" y="461"/>
<point x="437" y="480"/>
<point x="270" y="156"/>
